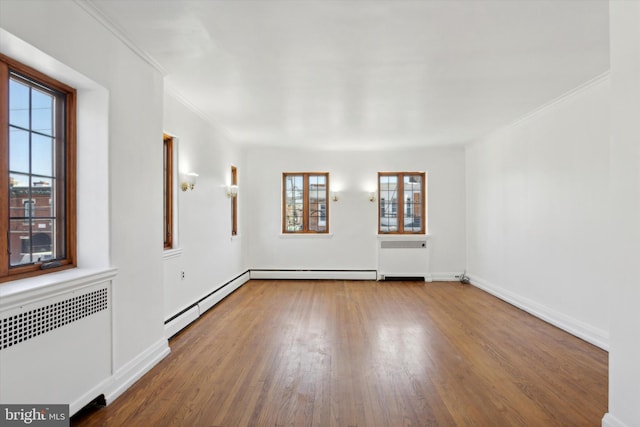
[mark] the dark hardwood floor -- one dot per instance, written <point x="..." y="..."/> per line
<point x="361" y="353"/>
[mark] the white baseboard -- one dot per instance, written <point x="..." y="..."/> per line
<point x="343" y="275"/>
<point x="180" y="322"/>
<point x="89" y="396"/>
<point x="611" y="421"/>
<point x="444" y="277"/>
<point x="315" y="274"/>
<point x="184" y="319"/>
<point x="219" y="295"/>
<point x="575" y="327"/>
<point x="126" y="376"/>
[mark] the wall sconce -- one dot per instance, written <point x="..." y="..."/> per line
<point x="232" y="191"/>
<point x="334" y="196"/>
<point x="189" y="181"/>
<point x="372" y="197"/>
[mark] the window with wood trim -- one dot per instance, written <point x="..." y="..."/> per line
<point x="402" y="202"/>
<point x="234" y="202"/>
<point x="167" y="180"/>
<point x="305" y="207"/>
<point x="37" y="172"/>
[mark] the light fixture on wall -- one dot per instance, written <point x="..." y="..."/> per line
<point x="372" y="196"/>
<point x="189" y="181"/>
<point x="334" y="196"/>
<point x="232" y="191"/>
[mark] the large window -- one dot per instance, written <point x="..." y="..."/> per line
<point x="167" y="204"/>
<point x="401" y="202"/>
<point x="305" y="203"/>
<point x="37" y="172"/>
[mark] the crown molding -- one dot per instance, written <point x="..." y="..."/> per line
<point x="175" y="93"/>
<point x="542" y="108"/>
<point x="120" y="33"/>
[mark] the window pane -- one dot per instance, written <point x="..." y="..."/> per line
<point x="42" y="155"/>
<point x="42" y="243"/>
<point x="19" y="191"/>
<point x="317" y="219"/>
<point x="43" y="192"/>
<point x="42" y="112"/>
<point x="388" y="203"/>
<point x="19" y="243"/>
<point x="294" y="203"/>
<point x="33" y="221"/>
<point x="29" y="208"/>
<point x="18" y="150"/>
<point x="412" y="189"/>
<point x="31" y="242"/>
<point x="18" y="104"/>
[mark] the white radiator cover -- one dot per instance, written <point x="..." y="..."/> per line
<point x="57" y="348"/>
<point x="404" y="256"/>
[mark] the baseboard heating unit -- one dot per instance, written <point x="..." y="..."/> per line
<point x="181" y="320"/>
<point x="57" y="348"/>
<point x="404" y="257"/>
<point x="304" y="274"/>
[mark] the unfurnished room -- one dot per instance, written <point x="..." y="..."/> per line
<point x="372" y="213"/>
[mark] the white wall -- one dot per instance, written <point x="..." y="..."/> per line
<point x="538" y="227"/>
<point x="209" y="256"/>
<point x="537" y="205"/>
<point x="624" y="229"/>
<point x="68" y="34"/>
<point x="353" y="227"/>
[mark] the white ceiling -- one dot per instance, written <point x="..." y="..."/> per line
<point x="358" y="74"/>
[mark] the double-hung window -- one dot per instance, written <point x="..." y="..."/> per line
<point x="37" y="172"/>
<point x="401" y="202"/>
<point x="305" y="207"/>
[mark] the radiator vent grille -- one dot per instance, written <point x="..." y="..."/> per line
<point x="403" y="244"/>
<point x="24" y="326"/>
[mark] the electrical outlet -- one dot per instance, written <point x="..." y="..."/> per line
<point x="182" y="275"/>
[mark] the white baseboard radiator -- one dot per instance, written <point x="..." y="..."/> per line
<point x="402" y="257"/>
<point x="190" y="314"/>
<point x="56" y="348"/>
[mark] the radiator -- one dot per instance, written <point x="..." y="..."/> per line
<point x="56" y="349"/>
<point x="403" y="257"/>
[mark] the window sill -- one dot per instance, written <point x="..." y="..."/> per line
<point x="22" y="291"/>
<point x="306" y="235"/>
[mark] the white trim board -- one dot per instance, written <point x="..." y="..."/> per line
<point x="444" y="277"/>
<point x="120" y="34"/>
<point x="189" y="315"/>
<point x="126" y="376"/>
<point x="575" y="327"/>
<point x="220" y="294"/>
<point x="610" y="421"/>
<point x="542" y="108"/>
<point x="341" y="275"/>
<point x="180" y="322"/>
<point x="315" y="274"/>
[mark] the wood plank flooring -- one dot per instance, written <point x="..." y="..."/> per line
<point x="361" y="353"/>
